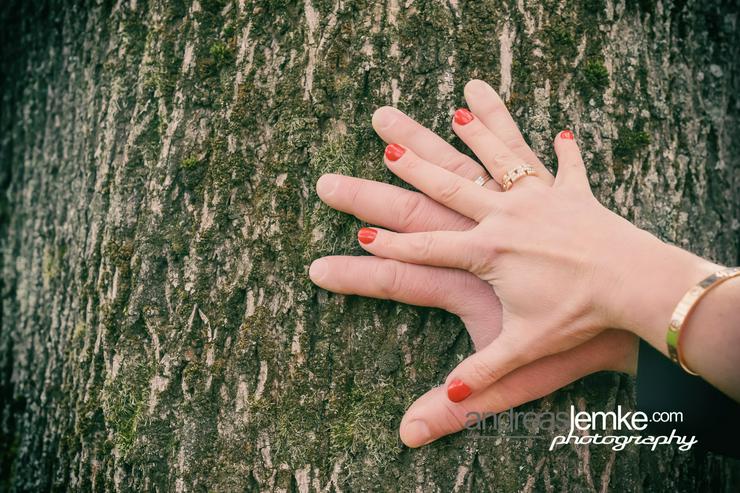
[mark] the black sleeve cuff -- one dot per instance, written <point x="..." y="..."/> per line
<point x="708" y="414"/>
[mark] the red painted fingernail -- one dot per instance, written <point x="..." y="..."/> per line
<point x="367" y="235"/>
<point x="566" y="134"/>
<point x="394" y="152"/>
<point x="463" y="116"/>
<point x="457" y="390"/>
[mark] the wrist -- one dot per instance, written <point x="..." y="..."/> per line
<point x="710" y="337"/>
<point x="621" y="349"/>
<point x="654" y="277"/>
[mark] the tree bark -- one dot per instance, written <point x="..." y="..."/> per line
<point x="159" y="331"/>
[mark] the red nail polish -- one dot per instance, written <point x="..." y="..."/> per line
<point x="463" y="116"/>
<point x="457" y="390"/>
<point x="566" y="134"/>
<point x="367" y="235"/>
<point x="394" y="152"/>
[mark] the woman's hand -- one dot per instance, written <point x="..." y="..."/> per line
<point x="433" y="415"/>
<point x="564" y="267"/>
<point x="460" y="292"/>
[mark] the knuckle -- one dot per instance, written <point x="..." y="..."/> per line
<point x="353" y="192"/>
<point x="455" y="415"/>
<point x="425" y="246"/>
<point x="573" y="163"/>
<point x="449" y="191"/>
<point x="477" y="130"/>
<point x="456" y="163"/>
<point x="410" y="207"/>
<point x="409" y="161"/>
<point x="509" y="394"/>
<point x="494" y="248"/>
<point x="495" y="106"/>
<point x="483" y="370"/>
<point x="389" y="276"/>
<point x="486" y="254"/>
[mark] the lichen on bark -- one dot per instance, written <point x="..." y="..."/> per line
<point x="159" y="331"/>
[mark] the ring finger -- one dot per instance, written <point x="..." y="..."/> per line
<point x="492" y="151"/>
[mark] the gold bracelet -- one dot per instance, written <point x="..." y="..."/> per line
<point x="686" y="306"/>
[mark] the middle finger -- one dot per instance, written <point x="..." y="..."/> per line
<point x="495" y="155"/>
<point x="389" y="206"/>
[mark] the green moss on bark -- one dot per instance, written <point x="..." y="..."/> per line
<point x="158" y="322"/>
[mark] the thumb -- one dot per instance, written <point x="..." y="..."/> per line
<point x="480" y="370"/>
<point x="433" y="415"/>
<point x="571" y="170"/>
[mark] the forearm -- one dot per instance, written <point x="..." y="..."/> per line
<point x="710" y="339"/>
<point x="655" y="282"/>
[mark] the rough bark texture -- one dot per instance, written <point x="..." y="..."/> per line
<point x="159" y="331"/>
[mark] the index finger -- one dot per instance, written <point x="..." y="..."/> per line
<point x="395" y="127"/>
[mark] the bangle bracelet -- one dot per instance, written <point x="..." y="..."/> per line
<point x="686" y="306"/>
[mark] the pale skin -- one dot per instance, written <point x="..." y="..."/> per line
<point x="565" y="270"/>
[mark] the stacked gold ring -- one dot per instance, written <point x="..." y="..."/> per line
<point x="511" y="176"/>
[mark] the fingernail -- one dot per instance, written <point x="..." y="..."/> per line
<point x="394" y="152"/>
<point x="457" y="390"/>
<point x="318" y="269"/>
<point x="417" y="433"/>
<point x="326" y="185"/>
<point x="566" y="134"/>
<point x="384" y="117"/>
<point x="463" y="116"/>
<point x="367" y="235"/>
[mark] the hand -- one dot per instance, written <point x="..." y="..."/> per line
<point x="434" y="415"/>
<point x="558" y="260"/>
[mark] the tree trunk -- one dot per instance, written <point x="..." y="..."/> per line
<point x="159" y="331"/>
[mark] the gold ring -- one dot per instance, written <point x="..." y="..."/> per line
<point x="482" y="180"/>
<point x="514" y="174"/>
